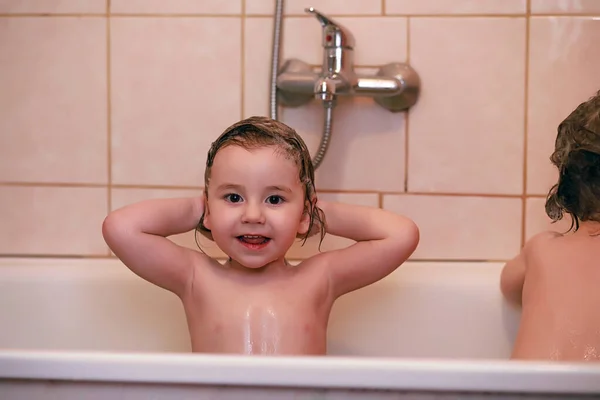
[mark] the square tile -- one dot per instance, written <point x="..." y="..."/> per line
<point x="330" y="242"/>
<point x="39" y="220"/>
<point x="176" y="85"/>
<point x="466" y="131"/>
<point x="537" y="221"/>
<point x="565" y="6"/>
<point x="52" y="6"/>
<point x="567" y="48"/>
<point x="331" y="7"/>
<point x="461" y="227"/>
<point x="366" y="150"/>
<point x="176" y="7"/>
<point x="455" y="7"/>
<point x="378" y="40"/>
<point x="121" y="197"/>
<point x="53" y="101"/>
<point x="258" y="36"/>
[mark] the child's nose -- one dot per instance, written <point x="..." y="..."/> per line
<point x="253" y="214"/>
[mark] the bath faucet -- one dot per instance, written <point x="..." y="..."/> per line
<point x="337" y="72"/>
<point x="395" y="86"/>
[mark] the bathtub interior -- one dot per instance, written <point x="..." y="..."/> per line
<point x="423" y="310"/>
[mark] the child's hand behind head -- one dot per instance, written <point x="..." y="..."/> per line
<point x="200" y="226"/>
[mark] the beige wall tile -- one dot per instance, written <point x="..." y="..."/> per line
<point x="455" y="6"/>
<point x="461" y="227"/>
<point x="176" y="6"/>
<point x="53" y="103"/>
<point x="52" y="220"/>
<point x="366" y="151"/>
<point x="52" y="6"/>
<point x="333" y="7"/>
<point x="257" y="65"/>
<point x="466" y="131"/>
<point x="564" y="70"/>
<point x="565" y="6"/>
<point x="176" y="85"/>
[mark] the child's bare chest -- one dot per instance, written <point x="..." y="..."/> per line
<point x="287" y="316"/>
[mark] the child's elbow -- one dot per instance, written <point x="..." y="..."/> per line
<point x="409" y="231"/>
<point x="511" y="289"/>
<point x="406" y="239"/>
<point x="111" y="228"/>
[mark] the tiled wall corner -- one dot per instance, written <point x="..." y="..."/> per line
<point x="141" y="88"/>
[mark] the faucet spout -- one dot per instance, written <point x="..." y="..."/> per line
<point x="325" y="89"/>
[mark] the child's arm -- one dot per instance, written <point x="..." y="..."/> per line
<point x="137" y="235"/>
<point x="512" y="279"/>
<point x="384" y="241"/>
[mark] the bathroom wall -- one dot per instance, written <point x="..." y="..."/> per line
<point x="107" y="103"/>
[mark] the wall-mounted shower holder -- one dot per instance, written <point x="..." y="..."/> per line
<point x="395" y="86"/>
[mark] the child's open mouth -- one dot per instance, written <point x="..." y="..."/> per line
<point x="254" y="242"/>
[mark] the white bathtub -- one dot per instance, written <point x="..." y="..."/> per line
<point x="71" y="327"/>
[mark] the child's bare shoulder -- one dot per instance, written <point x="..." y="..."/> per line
<point x="540" y="246"/>
<point x="542" y="239"/>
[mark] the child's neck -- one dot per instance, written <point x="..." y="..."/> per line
<point x="590" y="227"/>
<point x="280" y="264"/>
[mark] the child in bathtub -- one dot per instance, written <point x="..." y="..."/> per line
<point x="556" y="277"/>
<point x="259" y="198"/>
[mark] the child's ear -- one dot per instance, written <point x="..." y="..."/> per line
<point x="304" y="222"/>
<point x="206" y="217"/>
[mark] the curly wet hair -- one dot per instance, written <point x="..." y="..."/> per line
<point x="577" y="157"/>
<point x="256" y="132"/>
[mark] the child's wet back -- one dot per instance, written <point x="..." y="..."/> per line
<point x="556" y="277"/>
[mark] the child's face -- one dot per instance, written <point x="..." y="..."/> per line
<point x="255" y="204"/>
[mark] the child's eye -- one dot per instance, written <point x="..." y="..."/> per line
<point x="233" y="198"/>
<point x="274" y="200"/>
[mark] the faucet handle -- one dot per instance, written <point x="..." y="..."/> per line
<point x="334" y="34"/>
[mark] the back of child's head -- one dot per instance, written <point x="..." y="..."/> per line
<point x="258" y="132"/>
<point x="577" y="157"/>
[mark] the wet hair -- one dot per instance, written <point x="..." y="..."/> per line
<point x="577" y="157"/>
<point x="258" y="132"/>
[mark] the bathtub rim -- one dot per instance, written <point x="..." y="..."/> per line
<point x="329" y="372"/>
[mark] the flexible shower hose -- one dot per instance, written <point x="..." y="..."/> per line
<point x="273" y="103"/>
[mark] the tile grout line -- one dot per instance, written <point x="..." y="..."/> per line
<point x="406" y="113"/>
<point x="108" y="114"/>
<point x="331" y="191"/>
<point x="333" y="15"/>
<point x="525" y="125"/>
<point x="242" y="60"/>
